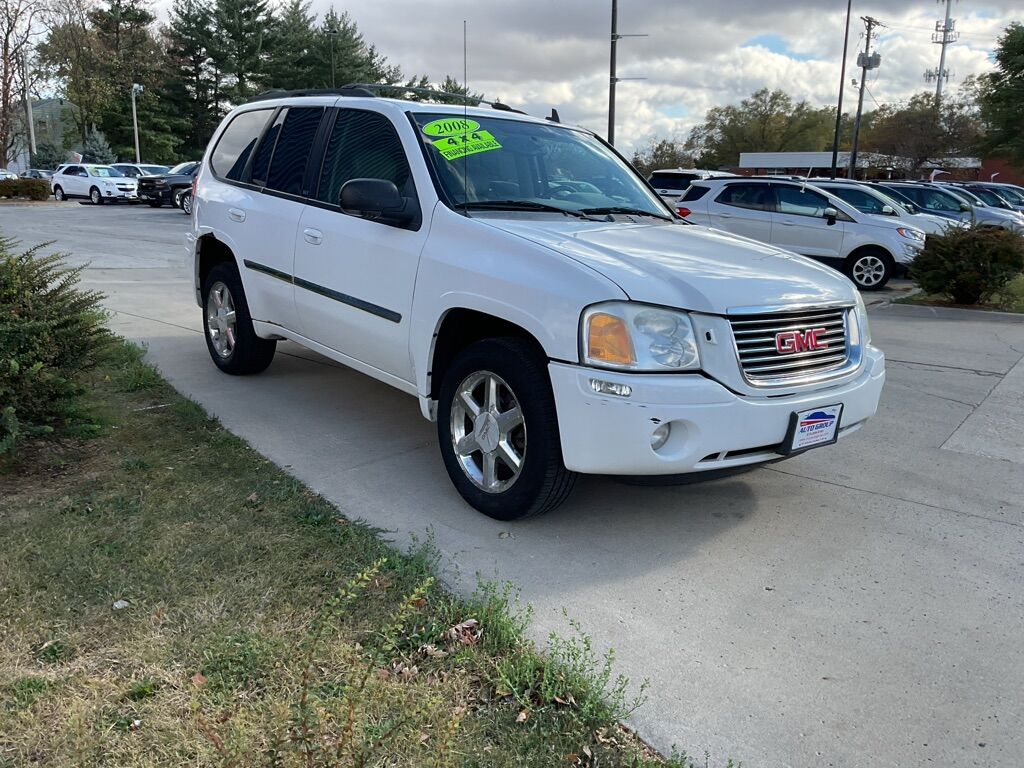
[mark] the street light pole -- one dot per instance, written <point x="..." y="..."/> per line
<point x="842" y="83"/>
<point x="136" y="89"/>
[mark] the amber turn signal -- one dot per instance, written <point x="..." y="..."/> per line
<point x="608" y="340"/>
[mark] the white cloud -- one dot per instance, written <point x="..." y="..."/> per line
<point x="538" y="54"/>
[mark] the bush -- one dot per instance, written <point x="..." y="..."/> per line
<point x="969" y="265"/>
<point x="33" y="189"/>
<point x="48" y="155"/>
<point x="51" y="332"/>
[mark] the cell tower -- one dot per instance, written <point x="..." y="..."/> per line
<point x="944" y="35"/>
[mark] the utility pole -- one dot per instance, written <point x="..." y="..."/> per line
<point x="136" y="88"/>
<point x="865" y="61"/>
<point x="612" y="80"/>
<point x="945" y="34"/>
<point x="842" y="82"/>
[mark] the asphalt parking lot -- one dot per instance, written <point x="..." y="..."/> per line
<point x="862" y="604"/>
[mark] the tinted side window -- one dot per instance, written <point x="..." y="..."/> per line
<point x="696" y="193"/>
<point x="801" y="202"/>
<point x="236" y="143"/>
<point x="291" y="152"/>
<point x="363" y="145"/>
<point x="755" y="196"/>
<point x="261" y="160"/>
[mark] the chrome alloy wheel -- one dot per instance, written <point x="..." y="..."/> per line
<point x="868" y="271"/>
<point x="488" y="432"/>
<point x="220" y="319"/>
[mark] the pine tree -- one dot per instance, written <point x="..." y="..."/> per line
<point x="47" y="155"/>
<point x="241" y="51"/>
<point x="97" y="150"/>
<point x="293" y="57"/>
<point x="354" y="60"/>
<point x="192" y="81"/>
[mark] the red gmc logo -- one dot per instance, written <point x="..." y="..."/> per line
<point x="791" y="342"/>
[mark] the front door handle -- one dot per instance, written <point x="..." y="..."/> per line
<point x="236" y="214"/>
<point x="312" y="236"/>
<point x="787" y="223"/>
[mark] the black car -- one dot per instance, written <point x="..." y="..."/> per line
<point x="168" y="188"/>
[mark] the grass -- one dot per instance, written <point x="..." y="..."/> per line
<point x="168" y="597"/>
<point x="1009" y="299"/>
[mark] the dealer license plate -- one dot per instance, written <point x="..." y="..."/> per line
<point x="813" y="428"/>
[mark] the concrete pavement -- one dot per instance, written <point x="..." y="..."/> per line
<point x="861" y="604"/>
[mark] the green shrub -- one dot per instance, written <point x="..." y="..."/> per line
<point x="51" y="332"/>
<point x="33" y="189"/>
<point x="969" y="265"/>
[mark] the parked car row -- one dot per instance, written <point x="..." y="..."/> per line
<point x="156" y="185"/>
<point x="871" y="231"/>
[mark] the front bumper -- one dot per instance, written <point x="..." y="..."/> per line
<point x="162" y="195"/>
<point x="120" y="194"/>
<point x="712" y="427"/>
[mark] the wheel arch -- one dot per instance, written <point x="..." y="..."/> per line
<point x="209" y="253"/>
<point x="459" y="327"/>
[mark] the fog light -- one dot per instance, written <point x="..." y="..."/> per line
<point x="611" y="388"/>
<point x="660" y="436"/>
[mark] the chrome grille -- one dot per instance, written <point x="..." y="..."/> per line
<point x="760" y="359"/>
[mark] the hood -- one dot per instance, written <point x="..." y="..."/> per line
<point x="685" y="266"/>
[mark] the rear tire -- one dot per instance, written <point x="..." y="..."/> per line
<point x="870" y="269"/>
<point x="230" y="337"/>
<point x="506" y="383"/>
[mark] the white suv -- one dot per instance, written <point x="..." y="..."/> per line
<point x="548" y="311"/>
<point x="671" y="183"/>
<point x="98" y="183"/>
<point x="804" y="219"/>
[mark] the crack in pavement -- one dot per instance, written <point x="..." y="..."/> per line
<point x="978" y="371"/>
<point x="897" y="498"/>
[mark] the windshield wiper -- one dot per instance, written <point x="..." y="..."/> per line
<point x="625" y="210"/>
<point x="519" y="205"/>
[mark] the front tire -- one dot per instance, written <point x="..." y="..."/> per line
<point x="186" y="203"/>
<point x="58" y="194"/>
<point x="498" y="431"/>
<point x="154" y="203"/>
<point x="870" y="269"/>
<point x="95" y="197"/>
<point x="230" y="337"/>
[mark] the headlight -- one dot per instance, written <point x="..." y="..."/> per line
<point x="863" y="329"/>
<point x="637" y="337"/>
<point x="911" y="234"/>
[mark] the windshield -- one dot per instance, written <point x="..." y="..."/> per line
<point x="1011" y="195"/>
<point x="495" y="163"/>
<point x="154" y="170"/>
<point x="990" y="197"/>
<point x="182" y="168"/>
<point x="104" y="171"/>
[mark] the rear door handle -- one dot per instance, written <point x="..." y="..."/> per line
<point x="236" y="214"/>
<point x="312" y="236"/>
<point x="787" y="223"/>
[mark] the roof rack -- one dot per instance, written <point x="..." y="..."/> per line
<point x="345" y="90"/>
<point x="370" y="90"/>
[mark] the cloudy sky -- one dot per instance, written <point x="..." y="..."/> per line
<point x="699" y="54"/>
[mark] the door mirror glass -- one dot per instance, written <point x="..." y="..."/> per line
<point x="375" y="199"/>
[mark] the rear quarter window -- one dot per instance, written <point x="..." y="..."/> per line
<point x="696" y="193"/>
<point x="672" y="181"/>
<point x="236" y="143"/>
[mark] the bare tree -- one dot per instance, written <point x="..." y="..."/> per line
<point x="19" y="24"/>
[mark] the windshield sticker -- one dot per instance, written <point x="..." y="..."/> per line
<point x="450" y="126"/>
<point x="454" y="147"/>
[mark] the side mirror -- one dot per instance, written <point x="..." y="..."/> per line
<point x="375" y="199"/>
<point x="888" y="210"/>
<point x="911" y="208"/>
<point x="965" y="207"/>
<point x="830" y="215"/>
